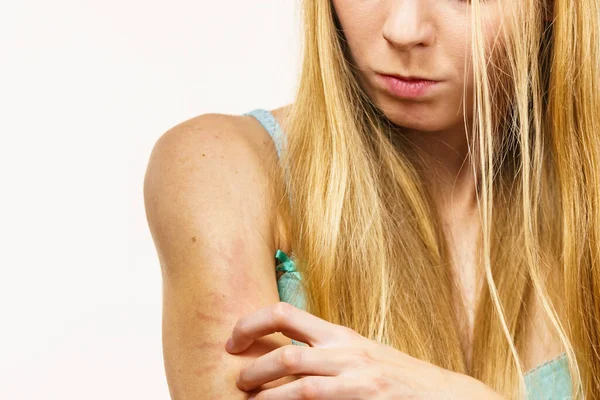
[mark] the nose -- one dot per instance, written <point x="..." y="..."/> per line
<point x="409" y="24"/>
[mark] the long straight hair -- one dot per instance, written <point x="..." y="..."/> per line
<point x="369" y="241"/>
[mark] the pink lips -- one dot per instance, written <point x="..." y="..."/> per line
<point x="406" y="88"/>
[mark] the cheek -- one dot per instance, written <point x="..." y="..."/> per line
<point x="457" y="40"/>
<point x="360" y="23"/>
<point x="458" y="47"/>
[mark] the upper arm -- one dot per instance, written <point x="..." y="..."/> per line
<point x="209" y="205"/>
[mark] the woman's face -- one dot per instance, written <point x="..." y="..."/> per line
<point x="416" y="38"/>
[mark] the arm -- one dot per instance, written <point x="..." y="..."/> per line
<point x="211" y="214"/>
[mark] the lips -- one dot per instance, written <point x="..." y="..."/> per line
<point x="406" y="87"/>
<point x="410" y="78"/>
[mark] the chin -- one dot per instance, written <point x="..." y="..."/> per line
<point x="421" y="118"/>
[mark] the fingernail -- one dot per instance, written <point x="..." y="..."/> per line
<point x="251" y="397"/>
<point x="229" y="344"/>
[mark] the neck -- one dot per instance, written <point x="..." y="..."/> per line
<point x="447" y="168"/>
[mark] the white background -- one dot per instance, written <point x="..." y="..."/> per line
<point x="86" y="89"/>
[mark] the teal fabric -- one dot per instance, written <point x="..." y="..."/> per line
<point x="549" y="381"/>
<point x="269" y="122"/>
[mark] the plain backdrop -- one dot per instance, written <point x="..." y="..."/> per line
<point x="86" y="89"/>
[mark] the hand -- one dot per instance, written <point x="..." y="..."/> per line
<point x="339" y="363"/>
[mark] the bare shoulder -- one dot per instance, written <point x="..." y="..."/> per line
<point x="212" y="161"/>
<point x="218" y="131"/>
<point x="235" y="132"/>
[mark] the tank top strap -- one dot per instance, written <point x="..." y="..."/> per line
<point x="268" y="121"/>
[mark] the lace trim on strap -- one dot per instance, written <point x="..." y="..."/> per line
<point x="285" y="263"/>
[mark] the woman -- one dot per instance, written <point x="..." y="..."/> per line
<point x="431" y="198"/>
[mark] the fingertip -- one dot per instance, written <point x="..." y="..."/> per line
<point x="229" y="345"/>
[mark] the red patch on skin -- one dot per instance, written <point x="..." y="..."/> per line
<point x="242" y="293"/>
<point x="234" y="259"/>
<point x="221" y="303"/>
<point x="209" y="317"/>
<point x="207" y="369"/>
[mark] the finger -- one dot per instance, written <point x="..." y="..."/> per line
<point x="285" y="318"/>
<point x="293" y="360"/>
<point x="315" y="388"/>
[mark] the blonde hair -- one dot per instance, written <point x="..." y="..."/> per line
<point x="364" y="229"/>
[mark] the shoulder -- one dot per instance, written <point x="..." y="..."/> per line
<point x="219" y="132"/>
<point x="226" y="132"/>
<point x="214" y="167"/>
<point x="215" y="141"/>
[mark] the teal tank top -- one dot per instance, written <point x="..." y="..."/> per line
<point x="548" y="381"/>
